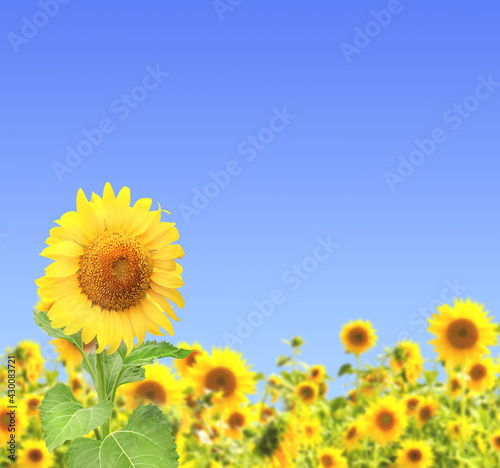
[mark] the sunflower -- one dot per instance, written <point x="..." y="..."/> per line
<point x="307" y="392"/>
<point x="264" y="413"/>
<point x="463" y="332"/>
<point x="352" y="397"/>
<point x="403" y="354"/>
<point x="31" y="402"/>
<point x="454" y="386"/>
<point x="426" y="410"/>
<point x="9" y="418"/>
<point x="495" y="440"/>
<point x="316" y="374"/>
<point x="310" y="429"/>
<point x="358" y="337"/>
<point x="481" y="375"/>
<point x="159" y="387"/>
<point x="413" y="370"/>
<point x="226" y="374"/>
<point x="354" y="433"/>
<point x="183" y="365"/>
<point x="236" y="420"/>
<point x="331" y="458"/>
<point x="114" y="266"/>
<point x="29" y="359"/>
<point x="412" y="404"/>
<point x="69" y="354"/>
<point x="34" y="454"/>
<point x="386" y="420"/>
<point x="373" y="381"/>
<point x="415" y="454"/>
<point x="76" y="383"/>
<point x="455" y="428"/>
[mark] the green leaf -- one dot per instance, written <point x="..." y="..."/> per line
<point x="345" y="369"/>
<point x="283" y="361"/>
<point x="113" y="375"/>
<point x="63" y="418"/>
<point x="151" y="350"/>
<point x="146" y="440"/>
<point x="42" y="320"/>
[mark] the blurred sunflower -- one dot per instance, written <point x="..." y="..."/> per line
<point x="358" y="337"/>
<point x="331" y="458"/>
<point x="354" y="433"/>
<point x="463" y="332"/>
<point x="34" y="454"/>
<point x="481" y="375"/>
<point x="226" y="374"/>
<point x="183" y="365"/>
<point x="114" y="268"/>
<point x="403" y="354"/>
<point x="159" y="387"/>
<point x="495" y="440"/>
<point x="386" y="420"/>
<point x="236" y="420"/>
<point x="454" y="386"/>
<point x="310" y="429"/>
<point x="31" y="402"/>
<point x="69" y="354"/>
<point x="7" y="421"/>
<point x="412" y="404"/>
<point x="456" y="428"/>
<point x="307" y="392"/>
<point x="316" y="374"/>
<point x="415" y="454"/>
<point x="426" y="410"/>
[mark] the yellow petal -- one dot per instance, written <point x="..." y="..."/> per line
<point x="55" y="289"/>
<point x="138" y="324"/>
<point x="115" y="331"/>
<point x="163" y="303"/>
<point x="170" y="293"/>
<point x="168" y="252"/>
<point x="157" y="315"/>
<point x="166" y="279"/>
<point x="76" y="227"/>
<point x="63" y="249"/>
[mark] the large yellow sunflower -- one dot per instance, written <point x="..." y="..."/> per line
<point x="225" y="374"/>
<point x="34" y="454"/>
<point x="386" y="420"/>
<point x="114" y="268"/>
<point x="331" y="458"/>
<point x="463" y="332"/>
<point x="415" y="454"/>
<point x="358" y="337"/>
<point x="159" y="387"/>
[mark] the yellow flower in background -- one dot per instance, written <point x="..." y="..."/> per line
<point x="456" y="428"/>
<point x="226" y="374"/>
<point x="76" y="382"/>
<point x="463" y="332"/>
<point x="264" y="413"/>
<point x="183" y="365"/>
<point x="310" y="429"/>
<point x="405" y="353"/>
<point x="481" y="375"/>
<point x="426" y="410"/>
<point x="354" y="433"/>
<point x="69" y="354"/>
<point x="316" y="374"/>
<point x="34" y="454"/>
<point x="30" y="403"/>
<point x="159" y="387"/>
<point x="373" y="381"/>
<point x="358" y="337"/>
<point x="114" y="269"/>
<point x="235" y="420"/>
<point x="307" y="392"/>
<point x="386" y="420"/>
<point x="29" y="359"/>
<point x="415" y="454"/>
<point x="495" y="440"/>
<point x="412" y="404"/>
<point x="331" y="458"/>
<point x="454" y="386"/>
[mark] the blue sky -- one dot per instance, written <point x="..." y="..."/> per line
<point x="339" y="157"/>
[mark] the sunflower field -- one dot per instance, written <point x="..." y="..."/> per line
<point x="108" y="401"/>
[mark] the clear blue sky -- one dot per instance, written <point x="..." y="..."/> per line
<point x="312" y="110"/>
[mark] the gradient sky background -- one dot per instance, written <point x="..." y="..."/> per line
<point x="323" y="175"/>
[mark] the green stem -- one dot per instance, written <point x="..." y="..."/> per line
<point x="89" y="365"/>
<point x="358" y="382"/>
<point x="375" y="456"/>
<point x="462" y="413"/>
<point x="115" y="387"/>
<point x="101" y="389"/>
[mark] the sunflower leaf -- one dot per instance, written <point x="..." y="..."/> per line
<point x="151" y="350"/>
<point x="146" y="440"/>
<point x="43" y="321"/>
<point x="63" y="418"/>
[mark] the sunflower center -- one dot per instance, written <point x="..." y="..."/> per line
<point x="236" y="420"/>
<point x="415" y="455"/>
<point x="315" y="373"/>
<point x="385" y="421"/>
<point x="352" y="433"/>
<point x="191" y="359"/>
<point x="33" y="403"/>
<point x="412" y="404"/>
<point x="478" y="372"/>
<point x="425" y="413"/>
<point x="309" y="431"/>
<point x="497" y="441"/>
<point x="35" y="455"/>
<point x="4" y="421"/>
<point x="221" y="379"/>
<point x="76" y="384"/>
<point x="152" y="391"/>
<point x="306" y="392"/>
<point x="327" y="461"/>
<point x="358" y="336"/>
<point x="463" y="334"/>
<point x="115" y="269"/>
<point x="455" y="385"/>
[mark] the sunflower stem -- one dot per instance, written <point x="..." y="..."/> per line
<point x="101" y="389"/>
<point x="375" y="456"/>
<point x="89" y="366"/>
<point x="462" y="413"/>
<point x="358" y="381"/>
